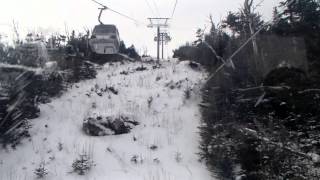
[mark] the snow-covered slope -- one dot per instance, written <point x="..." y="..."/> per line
<point x="168" y="124"/>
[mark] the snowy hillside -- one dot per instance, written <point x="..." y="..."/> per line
<point x="163" y="146"/>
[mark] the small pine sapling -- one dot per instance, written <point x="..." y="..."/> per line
<point x="41" y="171"/>
<point x="83" y="164"/>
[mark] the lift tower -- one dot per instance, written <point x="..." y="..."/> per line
<point x="164" y="39"/>
<point x="158" y="23"/>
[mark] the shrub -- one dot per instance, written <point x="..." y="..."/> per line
<point x="83" y="164"/>
<point x="41" y="172"/>
<point x="187" y="93"/>
<point x="283" y="119"/>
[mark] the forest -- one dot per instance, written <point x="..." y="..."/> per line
<point x="261" y="102"/>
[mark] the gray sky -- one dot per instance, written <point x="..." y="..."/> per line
<point x="51" y="16"/>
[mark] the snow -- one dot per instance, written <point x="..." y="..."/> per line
<point x="36" y="70"/>
<point x="315" y="157"/>
<point x="168" y="124"/>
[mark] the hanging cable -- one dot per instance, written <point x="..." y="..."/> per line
<point x="148" y="4"/>
<point x="99" y="3"/>
<point x="157" y="9"/>
<point x="125" y="16"/>
<point x="174" y="8"/>
<point x="121" y="14"/>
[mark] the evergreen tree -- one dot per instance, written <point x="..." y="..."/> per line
<point x="302" y="18"/>
<point x="122" y="48"/>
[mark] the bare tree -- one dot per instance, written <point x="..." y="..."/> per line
<point x="248" y="11"/>
<point x="15" y="29"/>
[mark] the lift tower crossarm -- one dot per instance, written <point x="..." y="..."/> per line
<point x="152" y="24"/>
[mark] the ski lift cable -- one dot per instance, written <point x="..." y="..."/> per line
<point x="148" y="4"/>
<point x="174" y="8"/>
<point x="121" y="14"/>
<point x="117" y="12"/>
<point x="156" y="7"/>
<point x="100" y="4"/>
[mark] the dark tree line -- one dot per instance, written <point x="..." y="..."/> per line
<point x="130" y="51"/>
<point x="260" y="112"/>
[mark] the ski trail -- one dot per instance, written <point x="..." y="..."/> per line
<point x="154" y="97"/>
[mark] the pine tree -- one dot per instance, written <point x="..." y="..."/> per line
<point x="302" y="18"/>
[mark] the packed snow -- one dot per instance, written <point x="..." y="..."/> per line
<point x="163" y="146"/>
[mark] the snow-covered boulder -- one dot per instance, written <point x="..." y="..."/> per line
<point x="104" y="126"/>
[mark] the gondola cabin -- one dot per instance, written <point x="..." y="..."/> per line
<point x="105" y="39"/>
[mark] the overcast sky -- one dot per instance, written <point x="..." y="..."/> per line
<point x="52" y="15"/>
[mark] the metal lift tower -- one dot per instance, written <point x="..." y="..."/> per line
<point x="164" y="39"/>
<point x="158" y="23"/>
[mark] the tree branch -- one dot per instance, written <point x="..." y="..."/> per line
<point x="315" y="158"/>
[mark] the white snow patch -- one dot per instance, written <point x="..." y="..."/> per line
<point x="170" y="123"/>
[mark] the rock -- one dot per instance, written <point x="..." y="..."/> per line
<point x="175" y="85"/>
<point x="154" y="147"/>
<point x="194" y="65"/>
<point x="105" y="126"/>
<point x="137" y="159"/>
<point x="141" y="68"/>
<point x="284" y="76"/>
<point x="120" y="127"/>
<point x="158" y="66"/>
<point x="124" y="72"/>
<point x="112" y="90"/>
<point x="315" y="158"/>
<point x="95" y="127"/>
<point x="288" y="101"/>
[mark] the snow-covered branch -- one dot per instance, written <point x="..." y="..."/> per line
<point x="315" y="158"/>
<point x="274" y="88"/>
<point x="309" y="91"/>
